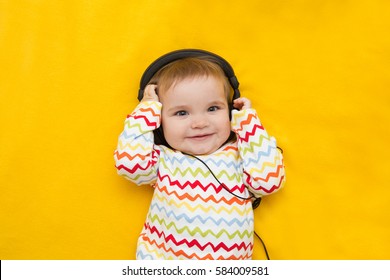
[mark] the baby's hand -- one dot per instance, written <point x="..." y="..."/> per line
<point x="150" y="93"/>
<point x="242" y="103"/>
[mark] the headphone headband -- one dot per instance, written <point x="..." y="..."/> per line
<point x="184" y="53"/>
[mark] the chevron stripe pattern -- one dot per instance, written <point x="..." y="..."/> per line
<point x="192" y="216"/>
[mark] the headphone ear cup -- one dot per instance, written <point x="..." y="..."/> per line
<point x="159" y="138"/>
<point x="230" y="110"/>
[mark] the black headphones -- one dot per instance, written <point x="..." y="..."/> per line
<point x="164" y="60"/>
<point x="184" y="53"/>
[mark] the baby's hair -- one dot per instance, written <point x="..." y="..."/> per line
<point x="191" y="67"/>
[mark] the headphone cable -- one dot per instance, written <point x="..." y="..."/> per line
<point x="262" y="243"/>
<point x="255" y="203"/>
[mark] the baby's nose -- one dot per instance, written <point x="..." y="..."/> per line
<point x="199" y="122"/>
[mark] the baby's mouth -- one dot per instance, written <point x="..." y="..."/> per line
<point x="200" y="136"/>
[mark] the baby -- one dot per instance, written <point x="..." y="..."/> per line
<point x="211" y="164"/>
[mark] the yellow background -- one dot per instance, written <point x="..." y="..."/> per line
<point x="317" y="72"/>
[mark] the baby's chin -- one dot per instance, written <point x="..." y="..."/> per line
<point x="200" y="146"/>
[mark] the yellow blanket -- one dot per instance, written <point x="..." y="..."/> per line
<point x="317" y="73"/>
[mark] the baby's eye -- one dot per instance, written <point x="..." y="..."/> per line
<point x="181" y="113"/>
<point x="213" y="108"/>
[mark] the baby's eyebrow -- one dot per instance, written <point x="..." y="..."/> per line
<point x="218" y="102"/>
<point x="177" y="108"/>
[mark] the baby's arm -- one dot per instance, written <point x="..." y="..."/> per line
<point x="262" y="161"/>
<point x="136" y="157"/>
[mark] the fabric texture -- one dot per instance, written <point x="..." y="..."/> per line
<point x="191" y="215"/>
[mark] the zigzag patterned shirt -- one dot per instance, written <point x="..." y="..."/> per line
<point x="191" y="215"/>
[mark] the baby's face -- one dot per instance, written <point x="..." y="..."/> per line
<point x="195" y="115"/>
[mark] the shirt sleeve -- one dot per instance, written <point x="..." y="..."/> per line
<point x="136" y="156"/>
<point x="264" y="171"/>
